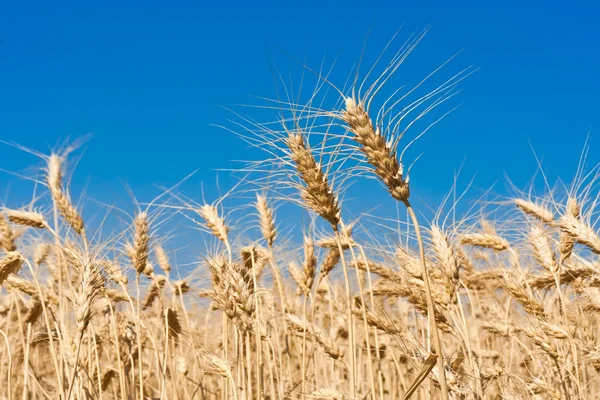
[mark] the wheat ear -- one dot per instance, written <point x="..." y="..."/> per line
<point x="6" y="235"/>
<point x="10" y="264"/>
<point x="61" y="200"/>
<point x="140" y="243"/>
<point x="316" y="191"/>
<point x="567" y="239"/>
<point x="537" y="211"/>
<point x="27" y="218"/>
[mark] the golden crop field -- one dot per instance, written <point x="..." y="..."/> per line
<point x="500" y="303"/>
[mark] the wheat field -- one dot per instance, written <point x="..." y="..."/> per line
<point x="501" y="303"/>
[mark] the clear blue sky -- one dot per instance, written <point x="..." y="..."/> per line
<point x="148" y="79"/>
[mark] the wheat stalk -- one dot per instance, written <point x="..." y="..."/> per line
<point x="382" y="157"/>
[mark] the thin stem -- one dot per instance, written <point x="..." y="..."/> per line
<point x="75" y="366"/>
<point x="139" y="336"/>
<point x="303" y="367"/>
<point x="351" y="333"/>
<point x="9" y="372"/>
<point x="26" y="362"/>
<point x="430" y="307"/>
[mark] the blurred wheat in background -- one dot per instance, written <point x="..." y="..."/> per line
<point x="499" y="304"/>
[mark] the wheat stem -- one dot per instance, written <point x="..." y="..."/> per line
<point x="437" y="343"/>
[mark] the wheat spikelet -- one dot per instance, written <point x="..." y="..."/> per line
<point x="378" y="322"/>
<point x="573" y="207"/>
<point x="298" y="278"/>
<point x="149" y="270"/>
<point x="21" y="284"/>
<point x="267" y="221"/>
<point x="217" y="266"/>
<point x="310" y="263"/>
<point x="570" y="274"/>
<point x="6" y="235"/>
<point x="173" y="324"/>
<point x="162" y="258"/>
<point x="413" y="292"/>
<point x="181" y="287"/>
<point x="61" y="200"/>
<point x="446" y="256"/>
<point x="345" y="239"/>
<point x="239" y="289"/>
<point x="486" y="240"/>
<point x="254" y="259"/>
<point x="91" y="283"/>
<point x="537" y="211"/>
<point x="214" y="222"/>
<point x="542" y="250"/>
<point x="140" y="243"/>
<point x="540" y="387"/>
<point x="107" y="377"/>
<point x="567" y="240"/>
<point x="154" y="290"/>
<point x="115" y="296"/>
<point x="498" y="328"/>
<point x="34" y="312"/>
<point x="538" y="338"/>
<point x="378" y="152"/>
<point x="10" y="264"/>
<point x="328" y="346"/>
<point x="113" y="270"/>
<point x="464" y="260"/>
<point x="332" y="257"/>
<point x="26" y="218"/>
<point x="580" y="231"/>
<point x="41" y="253"/>
<point x="218" y="365"/>
<point x="378" y="269"/>
<point x="553" y="330"/>
<point x="482" y="280"/>
<point x="317" y="192"/>
<point x="520" y="293"/>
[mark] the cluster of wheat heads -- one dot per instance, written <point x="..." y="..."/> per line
<point x="503" y="308"/>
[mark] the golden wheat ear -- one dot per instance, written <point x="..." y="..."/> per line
<point x="317" y="191"/>
<point x="267" y="221"/>
<point x="10" y="264"/>
<point x="377" y="150"/>
<point x="60" y="198"/>
<point x="27" y="218"/>
<point x="139" y="251"/>
<point x="7" y="237"/>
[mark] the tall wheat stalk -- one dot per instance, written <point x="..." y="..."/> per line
<point x="387" y="167"/>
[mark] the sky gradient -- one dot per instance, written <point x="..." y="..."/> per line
<point x="149" y="80"/>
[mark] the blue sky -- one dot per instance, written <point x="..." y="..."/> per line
<point x="148" y="79"/>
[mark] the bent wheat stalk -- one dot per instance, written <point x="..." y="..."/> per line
<point x="319" y="196"/>
<point x="382" y="157"/>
